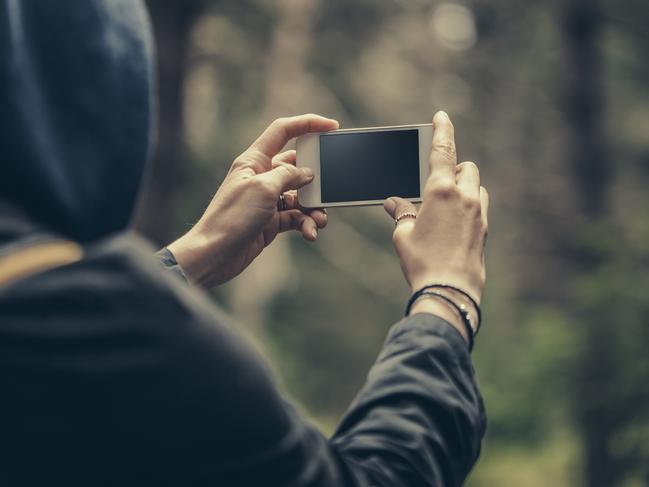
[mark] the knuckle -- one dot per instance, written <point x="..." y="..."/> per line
<point x="471" y="204"/>
<point x="239" y="161"/>
<point x="288" y="169"/>
<point x="444" y="190"/>
<point x="249" y="158"/>
<point x="470" y="165"/>
<point x="445" y="147"/>
<point x="278" y="122"/>
<point x="279" y="125"/>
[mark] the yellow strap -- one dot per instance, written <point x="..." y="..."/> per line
<point x="37" y="258"/>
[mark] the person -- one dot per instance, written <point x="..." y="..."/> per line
<point x="114" y="370"/>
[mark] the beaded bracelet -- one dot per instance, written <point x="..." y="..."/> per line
<point x="468" y="297"/>
<point x="464" y="314"/>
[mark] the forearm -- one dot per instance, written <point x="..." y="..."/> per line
<point x="419" y="419"/>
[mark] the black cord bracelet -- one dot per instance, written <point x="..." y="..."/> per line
<point x="464" y="314"/>
<point x="469" y="298"/>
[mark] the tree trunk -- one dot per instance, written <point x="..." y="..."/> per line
<point x="584" y="101"/>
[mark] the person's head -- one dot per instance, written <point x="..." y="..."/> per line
<point x="76" y="116"/>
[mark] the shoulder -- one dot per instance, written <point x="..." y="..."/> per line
<point x="116" y="274"/>
<point x="117" y="304"/>
<point x="119" y="345"/>
<point x="118" y="292"/>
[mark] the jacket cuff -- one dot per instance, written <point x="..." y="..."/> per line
<point x="417" y="324"/>
<point x="169" y="263"/>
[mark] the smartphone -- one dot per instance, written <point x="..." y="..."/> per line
<point x="365" y="166"/>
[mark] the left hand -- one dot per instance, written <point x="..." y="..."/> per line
<point x="243" y="216"/>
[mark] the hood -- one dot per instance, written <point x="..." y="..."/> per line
<point x="76" y="111"/>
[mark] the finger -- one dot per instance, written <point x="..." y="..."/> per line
<point x="484" y="207"/>
<point x="278" y="133"/>
<point x="319" y="215"/>
<point x="284" y="177"/>
<point x="467" y="176"/>
<point x="484" y="215"/>
<point x="397" y="207"/>
<point x="292" y="202"/>
<point x="286" y="157"/>
<point x="296" y="220"/>
<point x="443" y="156"/>
<point x="290" y="199"/>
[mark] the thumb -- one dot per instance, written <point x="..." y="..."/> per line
<point x="396" y="206"/>
<point x="285" y="177"/>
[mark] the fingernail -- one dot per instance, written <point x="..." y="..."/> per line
<point x="308" y="173"/>
<point x="441" y="116"/>
<point x="324" y="210"/>
<point x="314" y="233"/>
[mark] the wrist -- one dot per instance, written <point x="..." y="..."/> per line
<point x="195" y="254"/>
<point x="432" y="305"/>
<point x="475" y="291"/>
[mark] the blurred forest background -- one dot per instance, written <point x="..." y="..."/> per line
<point x="551" y="100"/>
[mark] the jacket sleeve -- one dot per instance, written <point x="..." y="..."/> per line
<point x="419" y="419"/>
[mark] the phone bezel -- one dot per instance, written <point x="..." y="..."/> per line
<point x="308" y="155"/>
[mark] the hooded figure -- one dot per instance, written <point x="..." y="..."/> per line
<point x="114" y="372"/>
<point x="76" y="117"/>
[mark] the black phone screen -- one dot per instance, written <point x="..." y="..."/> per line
<point x="362" y="166"/>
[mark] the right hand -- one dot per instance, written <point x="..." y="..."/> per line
<point x="445" y="243"/>
<point x="243" y="217"/>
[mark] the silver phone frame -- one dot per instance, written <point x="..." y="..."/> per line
<point x="311" y="197"/>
